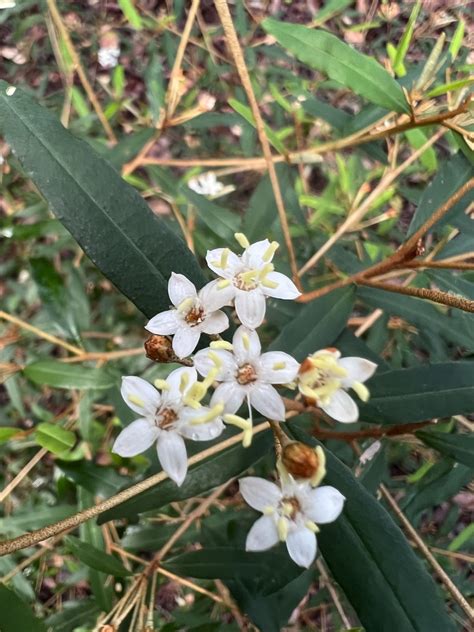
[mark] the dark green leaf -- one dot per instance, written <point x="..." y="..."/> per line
<point x="98" y="480"/>
<point x="459" y="447"/>
<point x="95" y="558"/>
<point x="325" y="52"/>
<point x="62" y="375"/>
<point x="15" y="615"/>
<point x="73" y="615"/>
<point x="108" y="217"/>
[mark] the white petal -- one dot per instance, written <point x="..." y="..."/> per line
<point x="267" y="401"/>
<point x="199" y="432"/>
<point x="172" y="455"/>
<point x="140" y="395"/>
<point x="174" y="381"/>
<point x="358" y="369"/>
<point x="285" y="289"/>
<point x="268" y="372"/>
<point x="342" y="408"/>
<point x="164" y="324"/>
<point x="213" y="258"/>
<point x="263" y="535"/>
<point x="185" y="340"/>
<point x="231" y="394"/>
<point x="214" y="297"/>
<point x="136" y="438"/>
<point x="215" y="323"/>
<point x="323" y="504"/>
<point x="180" y="288"/>
<point x="250" y="307"/>
<point x="301" y="545"/>
<point x="246" y="345"/>
<point x="259" y="493"/>
<point x="252" y="256"/>
<point x="227" y="365"/>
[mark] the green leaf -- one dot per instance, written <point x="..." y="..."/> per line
<point x="404" y="44"/>
<point x="325" y="52"/>
<point x="448" y="87"/>
<point x="420" y="393"/>
<point x="219" y="220"/>
<point x="131" y="14"/>
<point x="459" y="447"/>
<point x="15" y="615"/>
<point x="317" y="325"/>
<point x="455" y="172"/>
<point x="97" y="479"/>
<point x="246" y="113"/>
<point x="6" y="433"/>
<point x="200" y="479"/>
<point x="73" y="615"/>
<point x="107" y="216"/>
<point x="371" y="560"/>
<point x="54" y="438"/>
<point x="62" y="375"/>
<point x="456" y="41"/>
<point x="417" y="138"/>
<point x="95" y="558"/>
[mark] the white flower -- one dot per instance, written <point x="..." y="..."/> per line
<point x="245" y="373"/>
<point x="248" y="279"/>
<point x="325" y="377"/>
<point x="206" y="184"/>
<point x="7" y="4"/>
<point x="195" y="314"/>
<point x="108" y="56"/>
<point x="291" y="514"/>
<point x="166" y="418"/>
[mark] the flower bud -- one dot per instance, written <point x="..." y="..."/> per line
<point x="303" y="461"/>
<point x="159" y="349"/>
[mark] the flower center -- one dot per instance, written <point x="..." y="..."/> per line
<point x="246" y="281"/>
<point x="165" y="418"/>
<point x="320" y="377"/>
<point x="290" y="507"/>
<point x="246" y="374"/>
<point x="195" y="316"/>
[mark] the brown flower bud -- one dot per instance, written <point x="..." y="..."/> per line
<point x="158" y="348"/>
<point x="300" y="460"/>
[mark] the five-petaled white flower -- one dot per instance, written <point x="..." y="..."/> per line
<point x="324" y="377"/>
<point x="195" y="314"/>
<point x="166" y="418"/>
<point x="245" y="373"/>
<point x="248" y="279"/>
<point x="291" y="514"/>
<point x="206" y="184"/>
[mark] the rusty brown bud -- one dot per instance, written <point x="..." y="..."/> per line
<point x="158" y="348"/>
<point x="300" y="460"/>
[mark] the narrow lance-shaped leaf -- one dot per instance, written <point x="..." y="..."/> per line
<point x="61" y="375"/>
<point x="135" y="249"/>
<point x="459" y="447"/>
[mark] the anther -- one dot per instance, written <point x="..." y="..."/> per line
<point x="242" y="240"/>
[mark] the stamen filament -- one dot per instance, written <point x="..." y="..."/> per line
<point x="183" y="382"/>
<point x="214" y="412"/>
<point x="282" y="527"/>
<point x="270" y="251"/>
<point x="215" y="359"/>
<point x="185" y="305"/>
<point x="224" y="258"/>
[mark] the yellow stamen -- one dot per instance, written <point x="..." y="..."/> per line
<point x="215" y="359"/>
<point x="249" y="276"/>
<point x="268" y="283"/>
<point x="278" y="366"/>
<point x="224" y="258"/>
<point x="221" y="344"/>
<point x="134" y="399"/>
<point x="282" y="528"/>
<point x="209" y="379"/>
<point x="270" y="251"/>
<point x="242" y="240"/>
<point x="268" y="511"/>
<point x="267" y="268"/>
<point x="162" y="385"/>
<point x="183" y="382"/>
<point x="312" y="526"/>
<point x="287" y="509"/>
<point x="185" y="305"/>
<point x="222" y="284"/>
<point x="246" y="341"/>
<point x="214" y="412"/>
<point x="321" y="471"/>
<point x="243" y="424"/>
<point x="361" y="390"/>
<point x="247" y="438"/>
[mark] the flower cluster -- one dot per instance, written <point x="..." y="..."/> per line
<point x="172" y="410"/>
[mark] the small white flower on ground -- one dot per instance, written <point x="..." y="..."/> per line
<point x="108" y="57"/>
<point x="291" y="514"/>
<point x="206" y="184"/>
<point x="168" y="417"/>
<point x="324" y="377"/>
<point x="193" y="315"/>
<point x="7" y="4"/>
<point x="247" y="374"/>
<point x="247" y="279"/>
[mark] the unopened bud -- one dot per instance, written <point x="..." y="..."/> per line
<point x="300" y="460"/>
<point x="158" y="348"/>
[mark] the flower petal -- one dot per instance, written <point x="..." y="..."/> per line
<point x="246" y="345"/>
<point x="277" y="367"/>
<point x="323" y="504"/>
<point x="259" y="493"/>
<point x="252" y="256"/>
<point x="263" y="535"/>
<point x="174" y="381"/>
<point x="213" y="297"/>
<point x="140" y="395"/>
<point x="213" y="258"/>
<point x="231" y="394"/>
<point x="267" y="401"/>
<point x="250" y="307"/>
<point x="165" y="323"/>
<point x="358" y="369"/>
<point x="185" y="340"/>
<point x="301" y="545"/>
<point x="172" y="455"/>
<point x="199" y="432"/>
<point x="180" y="288"/>
<point x="215" y="323"/>
<point x="342" y="408"/>
<point x="136" y="438"/>
<point x="285" y="289"/>
<point x="227" y="365"/>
